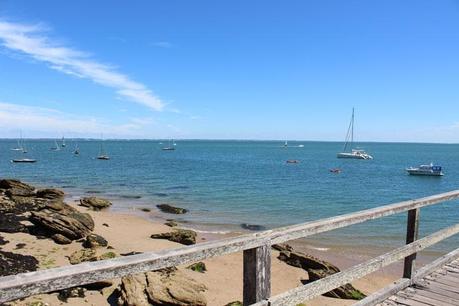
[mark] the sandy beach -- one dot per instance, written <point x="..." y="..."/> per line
<point x="130" y="232"/>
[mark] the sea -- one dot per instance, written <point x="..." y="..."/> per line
<point x="243" y="186"/>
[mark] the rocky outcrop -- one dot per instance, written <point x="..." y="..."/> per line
<point x="93" y="241"/>
<point x="50" y="193"/>
<point x="67" y="221"/>
<point x="316" y="269"/>
<point x="16" y="188"/>
<point x="95" y="203"/>
<point x="171" y="209"/>
<point x="82" y="255"/>
<point x="171" y="223"/>
<point x="12" y="263"/>
<point x="166" y="287"/>
<point x="186" y="237"/>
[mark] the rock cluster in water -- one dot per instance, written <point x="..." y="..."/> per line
<point x="171" y="209"/>
<point x="316" y="269"/>
<point x="95" y="203"/>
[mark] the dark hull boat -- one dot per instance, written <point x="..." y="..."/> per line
<point x="24" y="160"/>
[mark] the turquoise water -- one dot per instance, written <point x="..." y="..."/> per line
<point x="226" y="183"/>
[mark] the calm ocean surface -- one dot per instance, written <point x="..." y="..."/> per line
<point x="226" y="183"/>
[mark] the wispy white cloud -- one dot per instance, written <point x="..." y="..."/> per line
<point x="162" y="44"/>
<point x="46" y="121"/>
<point x="33" y="41"/>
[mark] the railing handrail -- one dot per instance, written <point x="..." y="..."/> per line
<point x="26" y="284"/>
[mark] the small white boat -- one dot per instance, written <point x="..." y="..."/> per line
<point x="102" y="155"/>
<point x="426" y="170"/>
<point x="286" y="144"/>
<point x="56" y="147"/>
<point x="77" y="150"/>
<point x="24" y="160"/>
<point x="170" y="147"/>
<point x="354" y="153"/>
<point x="19" y="147"/>
<point x="63" y="142"/>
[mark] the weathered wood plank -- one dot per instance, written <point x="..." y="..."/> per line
<point x="436" y="296"/>
<point x="311" y="290"/>
<point x="430" y="300"/>
<point x="441" y="291"/>
<point x="23" y="285"/>
<point x="412" y="229"/>
<point x="436" y="264"/>
<point x="434" y="285"/>
<point x="407" y="302"/>
<point x="381" y="295"/>
<point x="257" y="274"/>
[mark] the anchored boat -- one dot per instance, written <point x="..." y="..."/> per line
<point x="24" y="160"/>
<point x="426" y="170"/>
<point x="353" y="153"/>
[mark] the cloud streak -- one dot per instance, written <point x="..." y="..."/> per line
<point x="33" y="41"/>
<point x="50" y="121"/>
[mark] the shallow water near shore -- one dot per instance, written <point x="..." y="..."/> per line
<point x="228" y="183"/>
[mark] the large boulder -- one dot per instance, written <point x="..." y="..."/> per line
<point x="186" y="237"/>
<point x="165" y="287"/>
<point x="95" y="203"/>
<point x="11" y="223"/>
<point x="171" y="209"/>
<point x="68" y="222"/>
<point x="317" y="269"/>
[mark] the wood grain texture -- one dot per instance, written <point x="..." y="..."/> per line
<point x="257" y="275"/>
<point x="412" y="230"/>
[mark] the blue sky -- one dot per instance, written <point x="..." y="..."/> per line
<point x="230" y="69"/>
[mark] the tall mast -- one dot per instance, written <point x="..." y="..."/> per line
<point x="352" y="130"/>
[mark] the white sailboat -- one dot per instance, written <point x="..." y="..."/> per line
<point x="56" y="146"/>
<point x="353" y="153"/>
<point x="102" y="154"/>
<point x="63" y="142"/>
<point x="19" y="146"/>
<point x="170" y="147"/>
<point x="77" y="150"/>
<point x="286" y="144"/>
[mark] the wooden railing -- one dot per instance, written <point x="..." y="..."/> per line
<point x="257" y="259"/>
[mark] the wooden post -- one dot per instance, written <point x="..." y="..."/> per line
<point x="257" y="274"/>
<point x="412" y="228"/>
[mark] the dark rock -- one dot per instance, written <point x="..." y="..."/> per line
<point x="316" y="269"/>
<point x="12" y="263"/>
<point x="3" y="241"/>
<point x="160" y="194"/>
<point x="171" y="209"/>
<point x="94" y="241"/>
<point x="68" y="222"/>
<point x="51" y="194"/>
<point x="129" y="196"/>
<point x="131" y="253"/>
<point x="75" y="292"/>
<point x="20" y="246"/>
<point x="105" y="224"/>
<point x="253" y="227"/>
<point x="98" y="285"/>
<point x="145" y="209"/>
<point x="11" y="223"/>
<point x="198" y="267"/>
<point x="186" y="237"/>
<point x="61" y="239"/>
<point x="171" y="223"/>
<point x="95" y="203"/>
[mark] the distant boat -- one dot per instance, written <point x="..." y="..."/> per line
<point x="286" y="144"/>
<point x="24" y="160"/>
<point x="63" y="142"/>
<point x="353" y="153"/>
<point x="292" y="161"/>
<point x="102" y="154"/>
<point x="77" y="150"/>
<point x="19" y="146"/>
<point x="300" y="146"/>
<point x="56" y="146"/>
<point x="425" y="170"/>
<point x="170" y="147"/>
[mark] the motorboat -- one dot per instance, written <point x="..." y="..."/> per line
<point x="24" y="160"/>
<point x="426" y="170"/>
<point x="292" y="161"/>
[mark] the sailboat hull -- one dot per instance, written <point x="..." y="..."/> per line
<point x="354" y="156"/>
